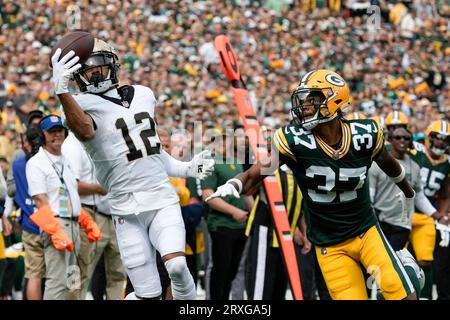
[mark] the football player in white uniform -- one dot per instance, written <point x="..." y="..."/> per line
<point x="116" y="126"/>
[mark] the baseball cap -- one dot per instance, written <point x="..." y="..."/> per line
<point x="49" y="122"/>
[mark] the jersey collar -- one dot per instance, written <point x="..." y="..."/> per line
<point x="434" y="162"/>
<point x="126" y="93"/>
<point x="345" y="144"/>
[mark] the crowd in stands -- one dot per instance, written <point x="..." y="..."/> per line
<point x="394" y="55"/>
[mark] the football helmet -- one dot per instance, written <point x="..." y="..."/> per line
<point x="103" y="55"/>
<point x="438" y="130"/>
<point x="396" y="119"/>
<point x="328" y="91"/>
<point x="355" y="116"/>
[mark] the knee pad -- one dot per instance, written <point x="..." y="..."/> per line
<point x="183" y="287"/>
<point x="176" y="267"/>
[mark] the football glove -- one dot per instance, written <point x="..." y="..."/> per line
<point x="63" y="70"/>
<point x="201" y="166"/>
<point x="228" y="189"/>
<point x="445" y="234"/>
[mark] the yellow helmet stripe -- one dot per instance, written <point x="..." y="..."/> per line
<point x="444" y="127"/>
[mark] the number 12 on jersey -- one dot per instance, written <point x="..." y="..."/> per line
<point x="148" y="136"/>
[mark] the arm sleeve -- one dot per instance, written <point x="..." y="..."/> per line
<point x="423" y="204"/>
<point x="36" y="179"/>
<point x="174" y="167"/>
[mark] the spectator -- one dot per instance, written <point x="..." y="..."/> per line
<point x="32" y="241"/>
<point x="226" y="221"/>
<point x="58" y="212"/>
<point x="95" y="203"/>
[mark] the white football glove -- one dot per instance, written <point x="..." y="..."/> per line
<point x="227" y="189"/>
<point x="201" y="166"/>
<point x="407" y="207"/>
<point x="63" y="70"/>
<point x="445" y="234"/>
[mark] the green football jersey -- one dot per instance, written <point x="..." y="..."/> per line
<point x="433" y="173"/>
<point x="334" y="184"/>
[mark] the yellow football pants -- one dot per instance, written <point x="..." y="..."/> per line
<point x="341" y="267"/>
<point x="423" y="237"/>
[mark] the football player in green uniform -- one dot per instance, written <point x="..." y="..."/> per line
<point x="330" y="157"/>
<point x="434" y="169"/>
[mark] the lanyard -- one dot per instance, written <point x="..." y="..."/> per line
<point x="58" y="172"/>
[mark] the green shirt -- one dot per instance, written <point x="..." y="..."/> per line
<point x="433" y="175"/>
<point x="336" y="200"/>
<point x="222" y="173"/>
<point x="194" y="187"/>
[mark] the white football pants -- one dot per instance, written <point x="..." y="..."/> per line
<point x="139" y="236"/>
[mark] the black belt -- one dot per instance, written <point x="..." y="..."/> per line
<point x="93" y="207"/>
<point x="69" y="218"/>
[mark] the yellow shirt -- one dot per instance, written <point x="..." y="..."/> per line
<point x="183" y="192"/>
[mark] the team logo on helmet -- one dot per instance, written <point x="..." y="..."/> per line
<point x="335" y="80"/>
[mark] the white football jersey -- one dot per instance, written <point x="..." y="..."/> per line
<point x="126" y="150"/>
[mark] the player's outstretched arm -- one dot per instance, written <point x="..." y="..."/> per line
<point x="77" y="120"/>
<point x="247" y="181"/>
<point x="200" y="167"/>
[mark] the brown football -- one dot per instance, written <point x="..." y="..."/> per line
<point x="79" y="41"/>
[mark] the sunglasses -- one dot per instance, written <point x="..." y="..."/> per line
<point x="440" y="137"/>
<point x="406" y="138"/>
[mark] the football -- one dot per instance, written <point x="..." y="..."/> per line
<point x="79" y="41"/>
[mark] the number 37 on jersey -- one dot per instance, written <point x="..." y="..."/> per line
<point x="331" y="174"/>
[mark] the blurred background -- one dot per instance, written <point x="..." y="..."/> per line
<point x="394" y="55"/>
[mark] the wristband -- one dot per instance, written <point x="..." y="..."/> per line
<point x="238" y="182"/>
<point x="400" y="177"/>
